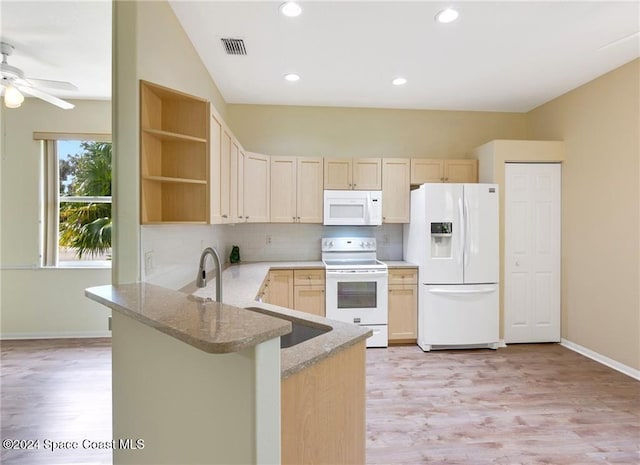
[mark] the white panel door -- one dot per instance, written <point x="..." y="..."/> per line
<point x="532" y="252"/>
<point x="443" y="205"/>
<point x="481" y="248"/>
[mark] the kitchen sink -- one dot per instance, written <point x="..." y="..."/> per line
<point x="300" y="331"/>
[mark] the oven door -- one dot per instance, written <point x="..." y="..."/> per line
<point x="357" y="296"/>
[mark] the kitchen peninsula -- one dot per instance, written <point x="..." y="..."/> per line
<point x="208" y="383"/>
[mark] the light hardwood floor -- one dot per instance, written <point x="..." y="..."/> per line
<point x="525" y="404"/>
<point x="58" y="390"/>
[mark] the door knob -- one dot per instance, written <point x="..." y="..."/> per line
<point x="517" y="263"/>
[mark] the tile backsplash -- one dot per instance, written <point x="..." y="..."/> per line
<point x="274" y="242"/>
<point x="170" y="253"/>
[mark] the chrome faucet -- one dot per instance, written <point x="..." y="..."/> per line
<point x="201" y="280"/>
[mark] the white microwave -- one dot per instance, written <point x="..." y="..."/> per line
<point x="353" y="208"/>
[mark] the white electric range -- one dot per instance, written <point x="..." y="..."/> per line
<point x="356" y="285"/>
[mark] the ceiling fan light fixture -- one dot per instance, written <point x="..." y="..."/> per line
<point x="447" y="15"/>
<point x="12" y="97"/>
<point x="291" y="9"/>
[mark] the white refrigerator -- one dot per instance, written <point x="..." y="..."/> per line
<point x="453" y="237"/>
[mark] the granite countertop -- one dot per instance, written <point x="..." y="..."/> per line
<point x="241" y="285"/>
<point x="209" y="326"/>
<point x="228" y="327"/>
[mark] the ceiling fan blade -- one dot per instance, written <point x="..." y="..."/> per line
<point x="57" y="85"/>
<point x="46" y="97"/>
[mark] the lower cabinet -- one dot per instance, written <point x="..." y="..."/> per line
<point x="300" y="289"/>
<point x="278" y="288"/>
<point x="403" y="305"/>
<point x="324" y="411"/>
<point x="308" y="291"/>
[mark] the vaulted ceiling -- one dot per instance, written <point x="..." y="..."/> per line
<point x="498" y="56"/>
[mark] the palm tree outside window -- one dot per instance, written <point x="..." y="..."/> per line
<point x="77" y="216"/>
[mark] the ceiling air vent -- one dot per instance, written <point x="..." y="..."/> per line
<point x="234" y="46"/>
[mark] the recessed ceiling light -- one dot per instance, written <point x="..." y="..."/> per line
<point x="291" y="9"/>
<point x="399" y="81"/>
<point x="292" y="77"/>
<point x="447" y="15"/>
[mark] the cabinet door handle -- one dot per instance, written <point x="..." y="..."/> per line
<point x="225" y="216"/>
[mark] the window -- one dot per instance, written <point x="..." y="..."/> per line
<point x="76" y="202"/>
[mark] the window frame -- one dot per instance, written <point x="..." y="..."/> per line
<point x="51" y="199"/>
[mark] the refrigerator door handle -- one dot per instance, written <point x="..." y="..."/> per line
<point x="461" y="291"/>
<point x="467" y="232"/>
<point x="463" y="238"/>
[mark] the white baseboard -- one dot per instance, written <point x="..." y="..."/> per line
<point x="56" y="335"/>
<point x="622" y="368"/>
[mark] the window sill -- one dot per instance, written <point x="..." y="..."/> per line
<point x="83" y="264"/>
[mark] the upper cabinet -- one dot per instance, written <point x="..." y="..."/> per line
<point x="309" y="197"/>
<point x="220" y="171"/>
<point x="174" y="156"/>
<point x="461" y="171"/>
<point x="227" y="174"/>
<point x="235" y="183"/>
<point x="395" y="190"/>
<point x="296" y="190"/>
<point x="356" y="173"/>
<point x="438" y="170"/>
<point x="256" y="181"/>
<point x="215" y="161"/>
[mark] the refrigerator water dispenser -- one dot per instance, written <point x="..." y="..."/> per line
<point x="441" y="240"/>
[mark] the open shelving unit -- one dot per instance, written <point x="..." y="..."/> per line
<point x="174" y="156"/>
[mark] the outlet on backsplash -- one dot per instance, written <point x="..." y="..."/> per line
<point x="268" y="240"/>
<point x="385" y="239"/>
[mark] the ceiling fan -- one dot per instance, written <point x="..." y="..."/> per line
<point x="14" y="83"/>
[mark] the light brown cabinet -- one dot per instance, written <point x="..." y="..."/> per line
<point x="221" y="186"/>
<point x="461" y="171"/>
<point x="278" y="288"/>
<point x="323" y="411"/>
<point x="441" y="170"/>
<point x="215" y="146"/>
<point x="240" y="180"/>
<point x="308" y="292"/>
<point x="174" y="156"/>
<point x="235" y="182"/>
<point x="296" y="190"/>
<point x="300" y="289"/>
<point x="403" y="305"/>
<point x="395" y="190"/>
<point x="353" y="173"/>
<point x="256" y="180"/>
